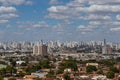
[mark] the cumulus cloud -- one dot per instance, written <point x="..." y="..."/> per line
<point x="96" y="17"/>
<point x="99" y="9"/>
<point x="85" y="28"/>
<point x="8" y="16"/>
<point x="115" y="29"/>
<point x="18" y="33"/>
<point x="93" y="13"/>
<point x="118" y="17"/>
<point x="110" y="2"/>
<point x="15" y="2"/>
<point x="54" y="2"/>
<point x="4" y="9"/>
<point x="29" y="25"/>
<point x="62" y="12"/>
<point x="7" y="13"/>
<point x="40" y="24"/>
<point x="103" y="8"/>
<point x="3" y="21"/>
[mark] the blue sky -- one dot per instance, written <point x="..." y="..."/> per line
<point x="64" y="20"/>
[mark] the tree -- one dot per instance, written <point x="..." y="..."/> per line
<point x="110" y="74"/>
<point x="1" y="77"/>
<point x="44" y="64"/>
<point x="50" y="74"/>
<point x="21" y="74"/>
<point x="118" y="78"/>
<point x="90" y="69"/>
<point x="24" y="64"/>
<point x="114" y="69"/>
<point x="68" y="64"/>
<point x="10" y="70"/>
<point x="12" y="79"/>
<point x="108" y="62"/>
<point x="59" y="71"/>
<point x="38" y="78"/>
<point x="66" y="76"/>
<point x="100" y="71"/>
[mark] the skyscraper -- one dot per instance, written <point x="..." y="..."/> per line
<point x="40" y="49"/>
<point x="104" y="48"/>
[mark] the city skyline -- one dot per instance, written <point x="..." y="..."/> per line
<point x="64" y="20"/>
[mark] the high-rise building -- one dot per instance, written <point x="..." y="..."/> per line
<point x="104" y="48"/>
<point x="40" y="49"/>
<point x="35" y="49"/>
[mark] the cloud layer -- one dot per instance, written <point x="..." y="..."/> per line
<point x="61" y="19"/>
<point x="95" y="13"/>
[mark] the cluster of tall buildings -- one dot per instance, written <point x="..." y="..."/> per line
<point x="40" y="49"/>
<point x="15" y="46"/>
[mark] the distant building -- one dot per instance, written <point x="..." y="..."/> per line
<point x="93" y="64"/>
<point x="20" y="62"/>
<point x="109" y="50"/>
<point x="35" y="49"/>
<point x="40" y="49"/>
<point x="104" y="48"/>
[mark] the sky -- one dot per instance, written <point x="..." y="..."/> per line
<point x="64" y="20"/>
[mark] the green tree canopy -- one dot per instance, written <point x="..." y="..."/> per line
<point x="69" y="64"/>
<point x="110" y="74"/>
<point x="114" y="69"/>
<point x="66" y="76"/>
<point x="12" y="79"/>
<point x="90" y="69"/>
<point x="1" y="77"/>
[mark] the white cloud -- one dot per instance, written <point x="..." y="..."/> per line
<point x="104" y="23"/>
<point x="3" y="21"/>
<point x="59" y="27"/>
<point x="40" y="24"/>
<point x="55" y="16"/>
<point x="56" y="9"/>
<point x="77" y="8"/>
<point x="8" y="16"/>
<point x="8" y="26"/>
<point x="99" y="9"/>
<point x="4" y="9"/>
<point x="83" y="33"/>
<point x="95" y="23"/>
<point x="54" y="2"/>
<point x="81" y="27"/>
<point x="62" y="12"/>
<point x="96" y="17"/>
<point x="115" y="29"/>
<point x="7" y="13"/>
<point x="110" y="2"/>
<point x="29" y="25"/>
<point x="116" y="23"/>
<point x="53" y="9"/>
<point x="77" y="3"/>
<point x="15" y="2"/>
<point x="85" y="28"/>
<point x="118" y="17"/>
<point x="93" y="13"/>
<point x="29" y="3"/>
<point x="103" y="8"/>
<point x="18" y="33"/>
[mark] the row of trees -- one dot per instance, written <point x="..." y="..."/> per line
<point x="110" y="74"/>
